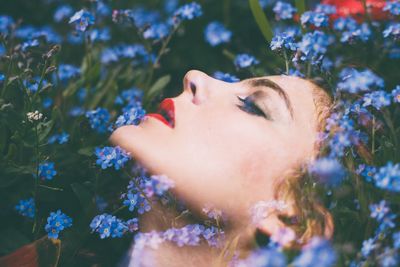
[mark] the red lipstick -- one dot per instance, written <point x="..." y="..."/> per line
<point x="165" y="112"/>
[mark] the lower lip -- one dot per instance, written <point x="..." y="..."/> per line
<point x="158" y="117"/>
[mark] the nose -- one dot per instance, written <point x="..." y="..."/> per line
<point x="197" y="83"/>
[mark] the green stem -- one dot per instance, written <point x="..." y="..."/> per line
<point x="286" y="61"/>
<point x="34" y="227"/>
<point x="373" y="136"/>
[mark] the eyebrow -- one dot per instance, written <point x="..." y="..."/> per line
<point x="267" y="83"/>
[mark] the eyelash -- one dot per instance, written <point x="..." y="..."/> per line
<point x="251" y="108"/>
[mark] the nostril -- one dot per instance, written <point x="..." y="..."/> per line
<point x="193" y="88"/>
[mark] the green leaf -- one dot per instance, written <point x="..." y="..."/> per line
<point x="261" y="19"/>
<point x="44" y="129"/>
<point x="301" y="6"/>
<point x="86" y="151"/>
<point x="85" y="198"/>
<point x="157" y="87"/>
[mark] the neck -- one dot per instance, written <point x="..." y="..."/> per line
<point x="238" y="238"/>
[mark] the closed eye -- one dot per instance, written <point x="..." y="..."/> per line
<point x="250" y="107"/>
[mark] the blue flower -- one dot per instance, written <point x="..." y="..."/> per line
<point x="29" y="43"/>
<point x="26" y="207"/>
<point x="60" y="138"/>
<point x="387" y="177"/>
<point x="226" y="77"/>
<point x="189" y="11"/>
<point x="377" y="99"/>
<point x="379" y="211"/>
<point x="47" y="171"/>
<point x="284" y="10"/>
<point x="266" y="257"/>
<point x="98" y="119"/>
<point x="393" y="30"/>
<point x="353" y="81"/>
<point x="368" y="246"/>
<point x="215" y="33"/>
<point x="133" y="225"/>
<point x="282" y="41"/>
<point x="82" y="19"/>
<point x="143" y="205"/>
<point x="245" y="60"/>
<point x="5" y="23"/>
<point x="76" y="111"/>
<point x="313" y="46"/>
<point x="396" y="94"/>
<point x="111" y="156"/>
<point x="161" y="184"/>
<point x="67" y="71"/>
<point x="47" y="102"/>
<point x="318" y="252"/>
<point x="329" y="171"/>
<point x="346" y="23"/>
<point x="396" y="240"/>
<point x="133" y="116"/>
<point x="131" y="201"/>
<point x="107" y="225"/>
<point x="102" y="35"/>
<point x="393" y="7"/>
<point x="327" y="9"/>
<point x="362" y="33"/>
<point x="56" y="222"/>
<point x="316" y="19"/>
<point x="62" y="12"/>
<point x="156" y="31"/>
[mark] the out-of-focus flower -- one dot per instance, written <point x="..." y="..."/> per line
<point x="98" y="119"/>
<point x="262" y="209"/>
<point x="245" y="60"/>
<point x="26" y="207"/>
<point x="100" y="35"/>
<point x="189" y="11"/>
<point x="396" y="94"/>
<point x="60" y="138"/>
<point x="393" y="7"/>
<point x="82" y="20"/>
<point x="284" y="10"/>
<point x="67" y="71"/>
<point x="392" y="30"/>
<point x="377" y="99"/>
<point x="318" y="252"/>
<point x="355" y="8"/>
<point x="329" y="171"/>
<point x="368" y="246"/>
<point x="29" y="44"/>
<point x="226" y="77"/>
<point x="156" y="31"/>
<point x="62" y="12"/>
<point x="215" y="33"/>
<point x="316" y="19"/>
<point x="34" y="116"/>
<point x="379" y="211"/>
<point x="387" y="177"/>
<point x="354" y="81"/>
<point x="267" y="257"/>
<point x="56" y="222"/>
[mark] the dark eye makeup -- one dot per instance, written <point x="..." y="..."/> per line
<point x="250" y="107"/>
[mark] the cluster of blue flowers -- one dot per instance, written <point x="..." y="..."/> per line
<point x="385" y="177"/>
<point x="215" y="33"/>
<point x="329" y="171"/>
<point x="111" y="156"/>
<point x="47" y="171"/>
<point x="245" y="60"/>
<point x="26" y="207"/>
<point x="109" y="226"/>
<point x="99" y="119"/>
<point x="56" y="222"/>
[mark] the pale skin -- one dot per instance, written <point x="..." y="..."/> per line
<point x="221" y="155"/>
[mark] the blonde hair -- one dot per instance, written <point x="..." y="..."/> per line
<point x="308" y="216"/>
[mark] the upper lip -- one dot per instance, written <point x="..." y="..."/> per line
<point x="167" y="110"/>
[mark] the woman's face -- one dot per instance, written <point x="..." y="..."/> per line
<point x="220" y="154"/>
